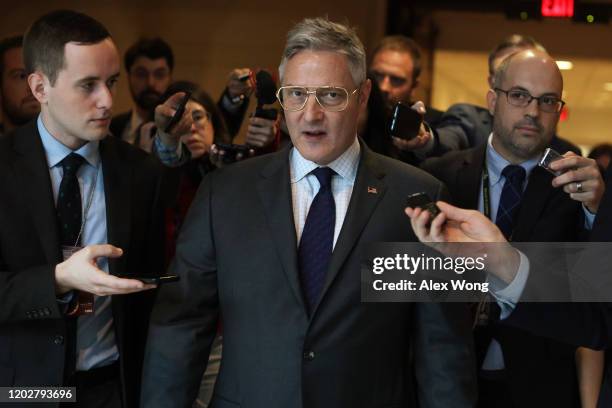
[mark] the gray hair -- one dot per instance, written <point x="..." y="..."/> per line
<point x="320" y="34"/>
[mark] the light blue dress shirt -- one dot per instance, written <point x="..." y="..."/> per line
<point x="305" y="186"/>
<point x="96" y="346"/>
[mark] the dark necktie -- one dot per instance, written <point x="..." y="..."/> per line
<point x="317" y="240"/>
<point x="69" y="219"/>
<point x="510" y="199"/>
<point x="69" y="201"/>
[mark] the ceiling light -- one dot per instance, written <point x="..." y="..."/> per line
<point x="565" y="65"/>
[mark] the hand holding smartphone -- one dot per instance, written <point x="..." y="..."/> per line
<point x="550" y="155"/>
<point x="405" y="122"/>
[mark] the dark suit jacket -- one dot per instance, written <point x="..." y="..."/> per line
<point x="541" y="371"/>
<point x="602" y="232"/>
<point x="237" y="258"/>
<point x="32" y="328"/>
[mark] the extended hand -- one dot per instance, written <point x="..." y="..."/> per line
<point x="455" y="226"/>
<point x="163" y="115"/>
<point x="81" y="272"/>
<point x="261" y="132"/>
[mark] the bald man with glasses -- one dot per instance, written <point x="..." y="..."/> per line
<point x="502" y="180"/>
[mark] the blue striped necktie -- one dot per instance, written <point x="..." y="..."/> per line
<point x="316" y="244"/>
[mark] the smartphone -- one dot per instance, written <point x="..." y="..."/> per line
<point x="180" y="110"/>
<point x="231" y="151"/>
<point x="423" y="201"/>
<point x="405" y="122"/>
<point x="152" y="279"/>
<point x="550" y="155"/>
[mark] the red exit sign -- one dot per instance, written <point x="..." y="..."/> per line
<point x="558" y="8"/>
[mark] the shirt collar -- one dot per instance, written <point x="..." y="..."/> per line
<point x="345" y="165"/>
<point x="55" y="151"/>
<point x="496" y="163"/>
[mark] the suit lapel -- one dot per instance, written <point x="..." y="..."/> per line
<point x="274" y="191"/>
<point x="117" y="195"/>
<point x="368" y="190"/>
<point x="32" y="175"/>
<point x="535" y="198"/>
<point x="469" y="178"/>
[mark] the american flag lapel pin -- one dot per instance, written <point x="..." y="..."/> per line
<point x="372" y="190"/>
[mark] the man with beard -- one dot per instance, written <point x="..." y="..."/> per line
<point x="396" y="67"/>
<point x="18" y="104"/>
<point x="501" y="179"/>
<point x="149" y="64"/>
<point x="464" y="125"/>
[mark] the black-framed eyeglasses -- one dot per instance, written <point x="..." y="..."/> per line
<point x="330" y="98"/>
<point x="521" y="98"/>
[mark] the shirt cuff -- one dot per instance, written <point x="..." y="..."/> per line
<point x="589" y="218"/>
<point x="507" y="296"/>
<point x="64" y="301"/>
<point x="169" y="155"/>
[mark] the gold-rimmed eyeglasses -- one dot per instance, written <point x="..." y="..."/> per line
<point x="330" y="98"/>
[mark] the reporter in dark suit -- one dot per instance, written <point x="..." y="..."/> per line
<point x="295" y="331"/>
<point x="519" y="369"/>
<point x="63" y="183"/>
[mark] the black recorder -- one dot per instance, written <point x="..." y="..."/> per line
<point x="180" y="111"/>
<point x="231" y="151"/>
<point x="424" y="202"/>
<point x="265" y="92"/>
<point x="405" y="122"/>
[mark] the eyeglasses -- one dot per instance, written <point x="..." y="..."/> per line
<point x="522" y="99"/>
<point x="330" y="98"/>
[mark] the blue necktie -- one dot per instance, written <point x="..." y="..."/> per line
<point x="510" y="199"/>
<point x="317" y="240"/>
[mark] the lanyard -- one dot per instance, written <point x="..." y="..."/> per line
<point x="87" y="206"/>
<point x="486" y="197"/>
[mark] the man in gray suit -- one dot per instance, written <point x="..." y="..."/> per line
<point x="273" y="246"/>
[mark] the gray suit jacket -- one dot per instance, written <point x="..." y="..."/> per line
<point x="462" y="126"/>
<point x="237" y="258"/>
